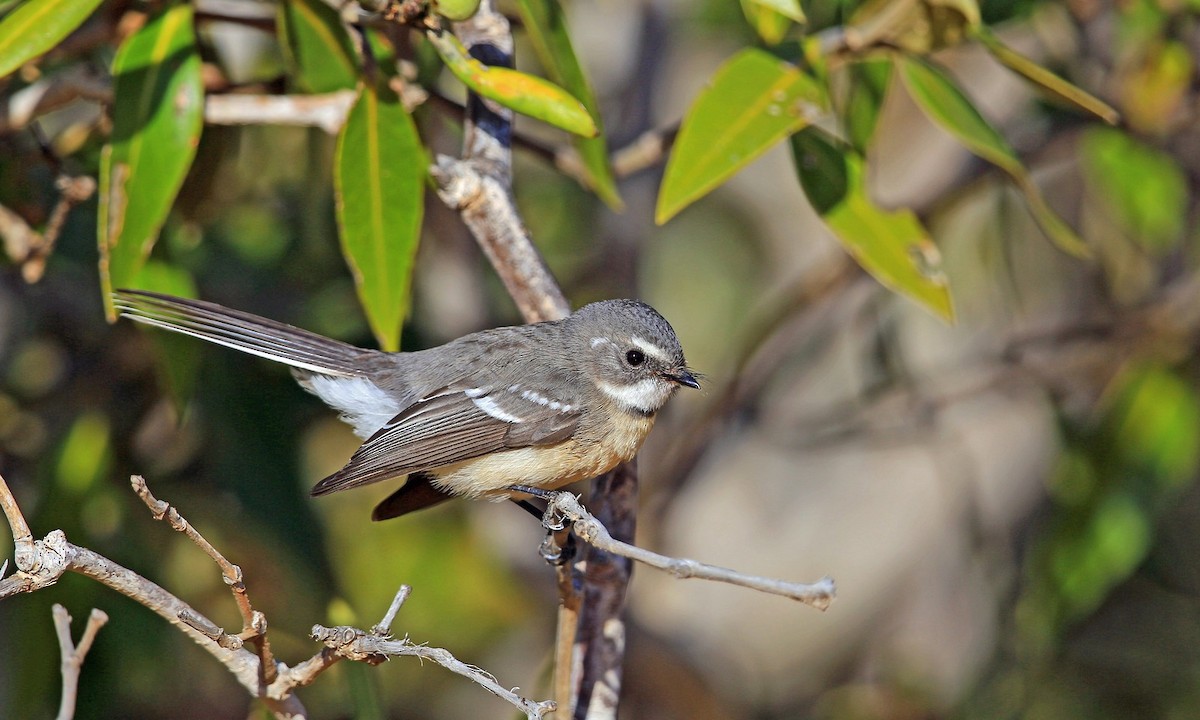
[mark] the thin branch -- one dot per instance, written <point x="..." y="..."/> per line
<point x="327" y="111"/>
<point x="73" y="655"/>
<point x="384" y="626"/>
<point x="375" y="646"/>
<point x="43" y="562"/>
<point x="29" y="248"/>
<point x="565" y="505"/>
<point x="647" y="150"/>
<point x="25" y="553"/>
<point x="360" y="645"/>
<point x="254" y="624"/>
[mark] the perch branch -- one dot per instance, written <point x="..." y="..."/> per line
<point x="375" y="646"/>
<point x="73" y="655"/>
<point x="565" y="505"/>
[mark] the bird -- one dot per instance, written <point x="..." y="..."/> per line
<point x="501" y="413"/>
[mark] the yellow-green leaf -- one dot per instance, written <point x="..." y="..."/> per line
<point x="545" y="25"/>
<point x="320" y="54"/>
<point x="157" y="116"/>
<point x="1154" y="91"/>
<point x="526" y="94"/>
<point x="380" y="170"/>
<point x="771" y="19"/>
<point x="35" y="26"/>
<point x="752" y="102"/>
<point x="892" y="245"/>
<point x="1048" y="82"/>
<point x="941" y="100"/>
<point x="918" y="26"/>
<point x="1141" y="189"/>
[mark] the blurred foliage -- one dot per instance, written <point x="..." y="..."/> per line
<point x="1099" y="619"/>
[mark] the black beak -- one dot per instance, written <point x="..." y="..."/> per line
<point x="683" y="377"/>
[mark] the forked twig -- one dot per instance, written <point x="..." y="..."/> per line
<point x="565" y="505"/>
<point x="375" y="646"/>
<point x="73" y="655"/>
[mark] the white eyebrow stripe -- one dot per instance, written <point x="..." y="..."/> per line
<point x="490" y="407"/>
<point x="650" y="349"/>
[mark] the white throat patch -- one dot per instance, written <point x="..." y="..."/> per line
<point x="646" y="395"/>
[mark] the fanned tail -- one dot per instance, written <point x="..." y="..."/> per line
<point x="241" y="331"/>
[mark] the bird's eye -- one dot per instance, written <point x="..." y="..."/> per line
<point x="635" y="357"/>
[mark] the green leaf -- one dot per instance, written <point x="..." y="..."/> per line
<point x="178" y="359"/>
<point x="868" y="84"/>
<point x="545" y="25"/>
<point x="1157" y="426"/>
<point x="86" y="453"/>
<point x="771" y="19"/>
<point x="1048" y="82"/>
<point x="891" y="245"/>
<point x="158" y="113"/>
<point x="752" y="102"/>
<point x="320" y="53"/>
<point x="790" y="9"/>
<point x="526" y="94"/>
<point x="941" y="100"/>
<point x="380" y="170"/>
<point x="1144" y="189"/>
<point x="35" y="26"/>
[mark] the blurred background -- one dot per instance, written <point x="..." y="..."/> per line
<point x="1008" y="505"/>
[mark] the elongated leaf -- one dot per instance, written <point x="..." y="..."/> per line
<point x="752" y="102"/>
<point x="547" y="30"/>
<point x="35" y="26"/>
<point x="527" y="94"/>
<point x="1048" y="82"/>
<point x="941" y="100"/>
<point x="891" y="245"/>
<point x="868" y="84"/>
<point x="380" y="181"/>
<point x="158" y="112"/>
<point x="320" y="53"/>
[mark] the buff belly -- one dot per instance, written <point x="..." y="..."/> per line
<point x="548" y="467"/>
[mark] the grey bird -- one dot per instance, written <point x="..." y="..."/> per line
<point x="490" y="414"/>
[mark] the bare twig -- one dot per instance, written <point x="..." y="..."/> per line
<point x="376" y="646"/>
<point x="565" y="505"/>
<point x="25" y="554"/>
<point x="41" y="563"/>
<point x="73" y="655"/>
<point x="647" y="150"/>
<point x="254" y="623"/>
<point x="385" y="625"/>
<point x="327" y="111"/>
<point x="29" y="248"/>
